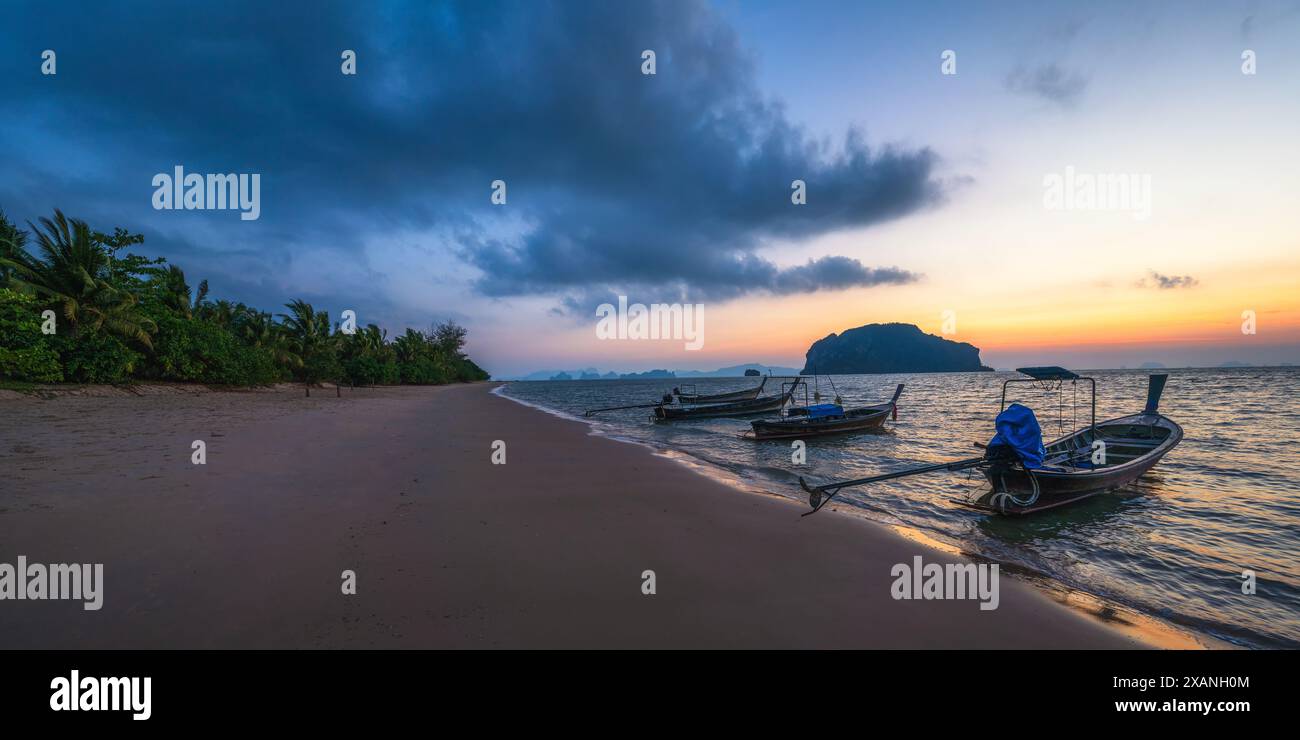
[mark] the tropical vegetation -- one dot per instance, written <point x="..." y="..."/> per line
<point x="76" y="307"/>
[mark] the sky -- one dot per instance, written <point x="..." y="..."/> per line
<point x="929" y="196"/>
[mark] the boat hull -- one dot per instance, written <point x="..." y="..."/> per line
<point x="857" y="420"/>
<point x="1018" y="491"/>
<point x="732" y="396"/>
<point x="744" y="395"/>
<point x="713" y="411"/>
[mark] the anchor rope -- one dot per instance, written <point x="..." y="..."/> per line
<point x="1000" y="498"/>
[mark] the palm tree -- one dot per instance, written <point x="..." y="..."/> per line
<point x="307" y="327"/>
<point x="374" y="341"/>
<point x="410" y="345"/>
<point x="12" y="241"/>
<point x="175" y="292"/>
<point x="71" y="273"/>
<point x="223" y="313"/>
<point x="310" y="339"/>
<point x="258" y="329"/>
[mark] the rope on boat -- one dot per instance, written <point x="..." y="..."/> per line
<point x="838" y="400"/>
<point x="1000" y="498"/>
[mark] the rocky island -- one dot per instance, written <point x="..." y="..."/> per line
<point x="890" y="348"/>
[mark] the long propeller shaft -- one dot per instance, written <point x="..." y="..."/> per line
<point x="819" y="496"/>
<point x="620" y="408"/>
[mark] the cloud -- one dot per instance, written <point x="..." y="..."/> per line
<point x="1269" y="17"/>
<point x="1067" y="30"/>
<point x="673" y="182"/>
<point x="1167" y="282"/>
<point x="1051" y="82"/>
<point x="701" y="231"/>
<point x="836" y="273"/>
<point x="748" y="275"/>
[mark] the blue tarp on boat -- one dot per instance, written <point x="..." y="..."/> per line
<point x="817" y="411"/>
<point x="1018" y="429"/>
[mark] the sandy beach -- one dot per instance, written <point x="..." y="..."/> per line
<point x="449" y="550"/>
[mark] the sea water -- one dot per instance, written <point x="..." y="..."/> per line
<point x="1175" y="545"/>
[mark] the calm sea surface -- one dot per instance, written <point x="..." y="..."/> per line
<point x="1174" y="545"/>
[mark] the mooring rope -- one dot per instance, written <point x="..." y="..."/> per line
<point x="1000" y="498"/>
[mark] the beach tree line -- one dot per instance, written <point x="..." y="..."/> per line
<point x="76" y="306"/>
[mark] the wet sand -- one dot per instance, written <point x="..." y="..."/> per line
<point x="449" y="550"/>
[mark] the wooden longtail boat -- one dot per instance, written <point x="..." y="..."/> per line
<point x="690" y="401"/>
<point x="1103" y="456"/>
<point x="745" y="395"/>
<point x="824" y="420"/>
<point x="749" y="407"/>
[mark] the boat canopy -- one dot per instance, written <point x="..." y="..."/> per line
<point x="1049" y="372"/>
<point x="1018" y="431"/>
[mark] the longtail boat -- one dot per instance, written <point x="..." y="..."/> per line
<point x="825" y="419"/>
<point x="749" y="407"/>
<point x="693" y="397"/>
<point x="1026" y="476"/>
<point x="690" y="398"/>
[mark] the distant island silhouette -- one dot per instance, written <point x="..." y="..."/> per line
<point x="890" y="348"/>
<point x="733" y="371"/>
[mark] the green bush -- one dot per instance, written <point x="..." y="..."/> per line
<point x="25" y="353"/>
<point x="319" y="364"/>
<point x="468" y="372"/>
<point x="202" y="352"/>
<point x="366" y="370"/>
<point x="423" y="371"/>
<point x="362" y="371"/>
<point x="95" y="357"/>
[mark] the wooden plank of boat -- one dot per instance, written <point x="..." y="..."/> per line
<point x="852" y="420"/>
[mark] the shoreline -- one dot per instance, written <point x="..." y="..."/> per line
<point x="1146" y="628"/>
<point x="449" y="551"/>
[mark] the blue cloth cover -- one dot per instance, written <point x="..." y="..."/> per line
<point x="1018" y="429"/>
<point x="819" y="410"/>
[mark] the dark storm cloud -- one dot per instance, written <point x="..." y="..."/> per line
<point x="825" y="273"/>
<point x="614" y="178"/>
<point x="1050" y="82"/>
